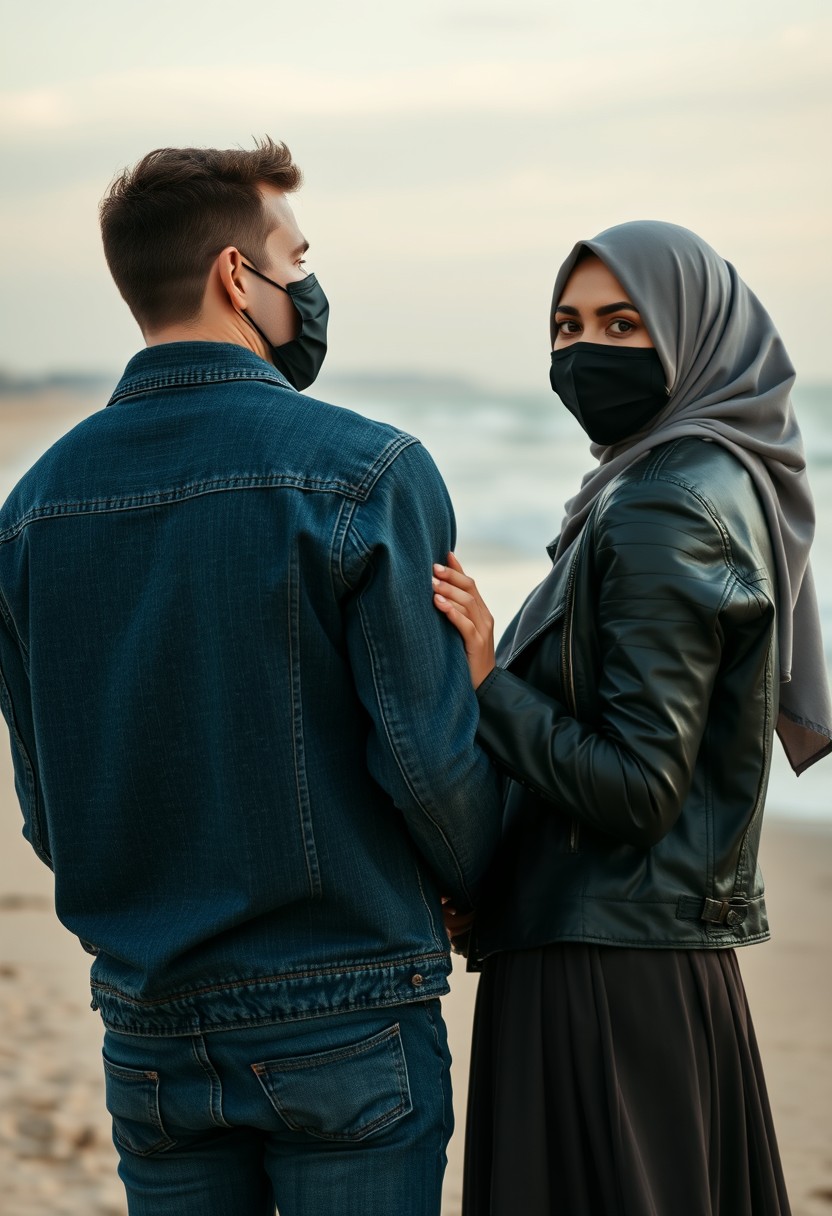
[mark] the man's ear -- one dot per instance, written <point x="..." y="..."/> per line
<point x="229" y="267"/>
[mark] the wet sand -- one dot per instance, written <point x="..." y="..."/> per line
<point x="55" y="1151"/>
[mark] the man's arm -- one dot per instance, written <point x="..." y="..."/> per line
<point x="412" y="677"/>
<point x="16" y="705"/>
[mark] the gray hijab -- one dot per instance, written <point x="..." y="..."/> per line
<point x="729" y="379"/>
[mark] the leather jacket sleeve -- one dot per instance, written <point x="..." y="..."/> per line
<point x="657" y="592"/>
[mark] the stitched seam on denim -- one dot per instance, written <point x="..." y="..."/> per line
<point x="333" y="1056"/>
<point x="340" y="1137"/>
<point x="195" y="379"/>
<point x="129" y="1074"/>
<point x="402" y="963"/>
<point x="339" y="537"/>
<point x="443" y="1134"/>
<point x="389" y="1040"/>
<point x="354" y="538"/>
<point x="160" y="498"/>
<point x="298" y="747"/>
<point x="6" y="613"/>
<point x="154" y="1114"/>
<point x="374" y="668"/>
<point x="200" y="1054"/>
<point x="353" y="530"/>
<point x="383" y="462"/>
<point x="172" y="1026"/>
<point x="427" y="905"/>
<point x="28" y="768"/>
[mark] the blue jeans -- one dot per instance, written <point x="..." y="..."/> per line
<point x="344" y="1115"/>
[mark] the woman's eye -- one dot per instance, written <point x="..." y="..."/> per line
<point x="568" y="327"/>
<point x="622" y="327"/>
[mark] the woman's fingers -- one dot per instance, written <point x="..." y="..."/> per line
<point x="456" y="576"/>
<point x="451" y="592"/>
<point x="457" y="616"/>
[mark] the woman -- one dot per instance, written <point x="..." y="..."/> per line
<point x="632" y="709"/>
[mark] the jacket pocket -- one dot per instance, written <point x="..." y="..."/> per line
<point x="347" y="1094"/>
<point x="133" y="1102"/>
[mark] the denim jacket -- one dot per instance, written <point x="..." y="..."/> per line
<point x="243" y="738"/>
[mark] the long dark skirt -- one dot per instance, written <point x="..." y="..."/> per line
<point x="614" y="1082"/>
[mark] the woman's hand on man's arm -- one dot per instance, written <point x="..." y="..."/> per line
<point x="455" y="594"/>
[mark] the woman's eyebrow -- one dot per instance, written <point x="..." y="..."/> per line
<point x="599" y="312"/>
<point x="608" y="308"/>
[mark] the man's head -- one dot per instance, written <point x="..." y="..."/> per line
<point x="179" y="228"/>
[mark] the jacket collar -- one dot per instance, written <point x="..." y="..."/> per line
<point x="183" y="364"/>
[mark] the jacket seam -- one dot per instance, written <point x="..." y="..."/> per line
<point x="95" y="506"/>
<point x="310" y="856"/>
<point x="436" y="940"/>
<point x="157" y="498"/>
<point x="29" y="769"/>
<point x="339" y="537"/>
<point x="380" y="701"/>
<point x="196" y="379"/>
<point x="742" y="877"/>
<point x="6" y="613"/>
<point x="284" y="977"/>
<point x="382" y="462"/>
<point x="725" y="941"/>
<point x="197" y="1027"/>
<point x="746" y="578"/>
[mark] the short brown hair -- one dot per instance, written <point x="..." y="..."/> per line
<point x="164" y="221"/>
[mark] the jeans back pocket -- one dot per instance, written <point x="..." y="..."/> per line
<point x="133" y="1102"/>
<point x="347" y="1093"/>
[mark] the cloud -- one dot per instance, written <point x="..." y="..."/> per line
<point x="793" y="61"/>
<point x="32" y="110"/>
<point x="488" y="20"/>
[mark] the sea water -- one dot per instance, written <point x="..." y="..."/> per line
<point x="511" y="460"/>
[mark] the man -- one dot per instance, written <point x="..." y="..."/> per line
<point x="243" y="737"/>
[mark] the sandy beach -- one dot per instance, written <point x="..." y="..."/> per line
<point x="55" y="1150"/>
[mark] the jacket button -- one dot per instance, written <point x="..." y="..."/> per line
<point x="417" y="980"/>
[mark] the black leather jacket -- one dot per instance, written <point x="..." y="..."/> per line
<point x="634" y="715"/>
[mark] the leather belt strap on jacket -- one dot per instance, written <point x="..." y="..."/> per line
<point x="728" y="912"/>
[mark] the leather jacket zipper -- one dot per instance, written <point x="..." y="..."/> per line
<point x="567" y="673"/>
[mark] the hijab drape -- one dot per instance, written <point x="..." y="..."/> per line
<point x="729" y="379"/>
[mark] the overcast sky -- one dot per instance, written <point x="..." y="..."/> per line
<point x="453" y="153"/>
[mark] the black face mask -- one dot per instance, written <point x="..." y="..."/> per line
<point x="612" y="391"/>
<point x="301" y="359"/>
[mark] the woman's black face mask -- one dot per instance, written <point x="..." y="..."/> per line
<point x="613" y="391"/>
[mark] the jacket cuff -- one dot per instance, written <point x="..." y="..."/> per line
<point x="483" y="688"/>
<point x="512" y="713"/>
